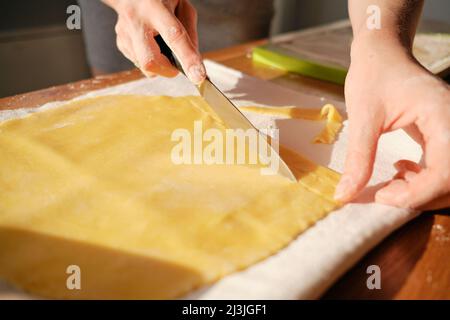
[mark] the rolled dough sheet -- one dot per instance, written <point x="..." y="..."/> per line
<point x="92" y="184"/>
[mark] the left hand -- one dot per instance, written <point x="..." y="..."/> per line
<point x="386" y="89"/>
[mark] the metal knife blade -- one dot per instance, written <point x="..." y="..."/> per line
<point x="234" y="119"/>
<point x="232" y="116"/>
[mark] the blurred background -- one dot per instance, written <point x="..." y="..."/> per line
<point x="37" y="50"/>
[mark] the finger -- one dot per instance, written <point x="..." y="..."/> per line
<point x="406" y="170"/>
<point x="187" y="15"/>
<point x="414" y="133"/>
<point x="124" y="44"/>
<point x="364" y="133"/>
<point x="407" y="165"/>
<point x="177" y="38"/>
<point x="414" y="192"/>
<point x="148" y="53"/>
<point x="420" y="186"/>
<point x="405" y="175"/>
<point x="129" y="54"/>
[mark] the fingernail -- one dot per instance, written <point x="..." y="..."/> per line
<point x="197" y="73"/>
<point x="343" y="188"/>
<point x="149" y="74"/>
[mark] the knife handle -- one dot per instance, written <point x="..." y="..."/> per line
<point x="165" y="50"/>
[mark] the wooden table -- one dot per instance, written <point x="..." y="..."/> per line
<point x="414" y="260"/>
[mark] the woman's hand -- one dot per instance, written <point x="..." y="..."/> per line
<point x="175" y="20"/>
<point x="386" y="89"/>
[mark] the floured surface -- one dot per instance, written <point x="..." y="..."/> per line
<point x="97" y="177"/>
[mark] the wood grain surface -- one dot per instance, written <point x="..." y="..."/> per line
<point x="414" y="260"/>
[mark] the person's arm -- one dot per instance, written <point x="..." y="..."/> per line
<point x="139" y="21"/>
<point x="399" y="20"/>
<point x="387" y="89"/>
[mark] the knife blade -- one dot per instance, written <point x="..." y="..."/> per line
<point x="233" y="117"/>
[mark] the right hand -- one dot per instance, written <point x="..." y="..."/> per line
<point x="175" y="20"/>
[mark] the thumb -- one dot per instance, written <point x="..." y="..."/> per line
<point x="416" y="187"/>
<point x="364" y="133"/>
<point x="415" y="190"/>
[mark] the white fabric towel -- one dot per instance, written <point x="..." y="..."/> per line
<point x="319" y="256"/>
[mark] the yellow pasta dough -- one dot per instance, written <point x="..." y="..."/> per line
<point x="92" y="185"/>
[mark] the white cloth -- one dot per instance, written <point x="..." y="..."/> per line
<point x="319" y="256"/>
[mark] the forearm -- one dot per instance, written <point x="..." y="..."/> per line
<point x="399" y="21"/>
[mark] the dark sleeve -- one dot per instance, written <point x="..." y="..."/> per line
<point x="98" y="22"/>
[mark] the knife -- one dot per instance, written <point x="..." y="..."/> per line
<point x="233" y="117"/>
